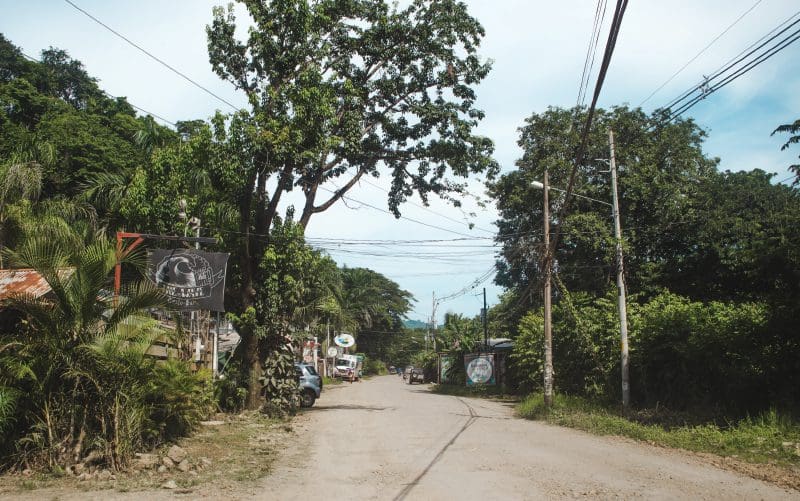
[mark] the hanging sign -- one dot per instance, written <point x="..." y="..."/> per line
<point x="333" y="352"/>
<point x="344" y="340"/>
<point x="190" y="278"/>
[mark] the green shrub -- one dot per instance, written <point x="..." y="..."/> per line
<point x="178" y="399"/>
<point x="374" y="367"/>
<point x="230" y="390"/>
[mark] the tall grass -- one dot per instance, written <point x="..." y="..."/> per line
<point x="768" y="437"/>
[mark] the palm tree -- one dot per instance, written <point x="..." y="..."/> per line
<point x="67" y="355"/>
<point x="21" y="180"/>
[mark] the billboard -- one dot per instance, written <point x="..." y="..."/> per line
<point x="479" y="368"/>
<point x="191" y="279"/>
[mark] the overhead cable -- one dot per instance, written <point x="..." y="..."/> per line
<point x="702" y="51"/>
<point x="152" y="56"/>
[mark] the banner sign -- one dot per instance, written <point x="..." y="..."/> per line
<point x="191" y="279"/>
<point x="479" y="368"/>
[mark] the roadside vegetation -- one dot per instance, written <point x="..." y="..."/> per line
<point x="769" y="437"/>
<point x="712" y="259"/>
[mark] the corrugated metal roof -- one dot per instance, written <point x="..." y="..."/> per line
<point x="26" y="281"/>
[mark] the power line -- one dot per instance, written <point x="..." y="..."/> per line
<point x="766" y="55"/>
<point x="591" y="50"/>
<point x="428" y="209"/>
<point x="619" y="12"/>
<point x="702" y="51"/>
<point x="401" y="217"/>
<point x="152" y="56"/>
<point x="116" y="98"/>
<point x="735" y="60"/>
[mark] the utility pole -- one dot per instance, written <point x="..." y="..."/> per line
<point x="623" y="313"/>
<point x="485" y="327"/>
<point x="432" y="325"/>
<point x="548" y="324"/>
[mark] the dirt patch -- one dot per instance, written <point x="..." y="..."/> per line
<point x="787" y="477"/>
<point x="225" y="453"/>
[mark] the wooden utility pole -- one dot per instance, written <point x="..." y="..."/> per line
<point x="485" y="325"/>
<point x="621" y="302"/>
<point x="548" y="324"/>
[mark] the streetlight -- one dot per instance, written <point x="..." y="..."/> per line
<point x="621" y="298"/>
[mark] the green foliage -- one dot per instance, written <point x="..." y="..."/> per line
<point x="710" y="258"/>
<point x="761" y="439"/>
<point x="684" y="354"/>
<point x="792" y="128"/>
<point x="374" y="367"/>
<point x="695" y="354"/>
<point x="178" y="399"/>
<point x="279" y="384"/>
<point x="458" y="336"/>
<point x="80" y="360"/>
<point x="229" y="391"/>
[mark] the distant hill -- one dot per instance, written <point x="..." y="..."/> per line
<point x="414" y="324"/>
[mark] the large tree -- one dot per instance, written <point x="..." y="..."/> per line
<point x="661" y="168"/>
<point x="340" y="89"/>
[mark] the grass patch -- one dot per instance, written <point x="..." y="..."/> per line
<point x="330" y="381"/>
<point x="241" y="449"/>
<point x="768" y="438"/>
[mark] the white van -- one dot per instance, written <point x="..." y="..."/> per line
<point x="345" y="365"/>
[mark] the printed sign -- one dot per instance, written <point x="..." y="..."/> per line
<point x="344" y="340"/>
<point x="479" y="368"/>
<point x="191" y="279"/>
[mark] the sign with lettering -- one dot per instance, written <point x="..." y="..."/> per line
<point x="191" y="279"/>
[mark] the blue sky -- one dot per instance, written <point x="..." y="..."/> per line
<point x="538" y="49"/>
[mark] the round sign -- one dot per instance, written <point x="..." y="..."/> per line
<point x="332" y="352"/>
<point x="479" y="370"/>
<point x="344" y="340"/>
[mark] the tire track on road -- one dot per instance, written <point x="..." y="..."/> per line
<point x="473" y="416"/>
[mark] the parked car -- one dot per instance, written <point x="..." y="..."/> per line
<point x="406" y="372"/>
<point x="416" y="374"/>
<point x="310" y="383"/>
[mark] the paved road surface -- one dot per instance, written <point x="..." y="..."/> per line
<point x="385" y="440"/>
<point x="382" y="439"/>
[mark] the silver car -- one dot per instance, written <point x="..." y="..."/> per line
<point x="310" y="383"/>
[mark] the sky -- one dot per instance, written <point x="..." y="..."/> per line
<point x="537" y="48"/>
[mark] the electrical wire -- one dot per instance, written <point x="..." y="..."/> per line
<point x="401" y="217"/>
<point x="731" y="63"/>
<point x="761" y="58"/>
<point x="702" y="51"/>
<point x="152" y="56"/>
<point x="619" y="12"/>
<point x="591" y="51"/>
<point x="428" y="209"/>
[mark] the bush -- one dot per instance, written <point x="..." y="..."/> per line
<point x="178" y="400"/>
<point x="374" y="367"/>
<point x="683" y="354"/>
<point x="230" y="391"/>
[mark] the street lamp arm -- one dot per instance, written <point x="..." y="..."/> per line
<point x="537" y="184"/>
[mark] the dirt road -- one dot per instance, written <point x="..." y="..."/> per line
<point x="385" y="440"/>
<point x="382" y="439"/>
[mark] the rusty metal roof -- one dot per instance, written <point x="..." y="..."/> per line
<point x="26" y="281"/>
